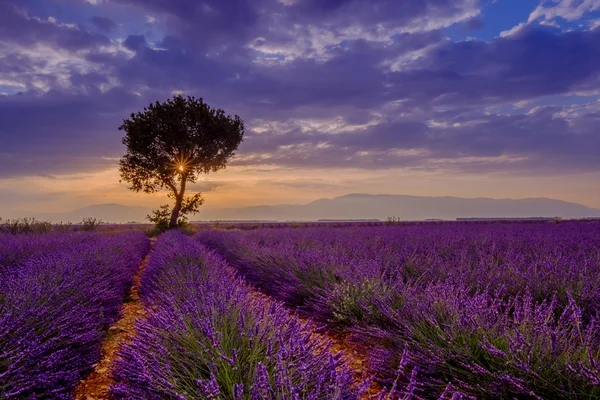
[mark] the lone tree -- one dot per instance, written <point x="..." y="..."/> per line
<point x="170" y="144"/>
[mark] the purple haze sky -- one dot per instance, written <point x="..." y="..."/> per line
<point x="490" y="98"/>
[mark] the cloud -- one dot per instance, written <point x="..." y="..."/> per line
<point x="43" y="55"/>
<point x="302" y="28"/>
<point x="352" y="84"/>
<point x="515" y="30"/>
<point x="543" y="140"/>
<point x="135" y="42"/>
<point x="54" y="134"/>
<point x="20" y="28"/>
<point x="206" y="186"/>
<point x="534" y="62"/>
<point x="105" y="24"/>
<point x="569" y="10"/>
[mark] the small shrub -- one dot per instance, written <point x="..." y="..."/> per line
<point x="90" y="224"/>
<point x="392" y="221"/>
<point x="161" y="219"/>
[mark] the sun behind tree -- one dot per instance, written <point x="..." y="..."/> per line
<point x="170" y="144"/>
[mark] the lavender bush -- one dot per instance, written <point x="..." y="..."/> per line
<point x="208" y="337"/>
<point x="15" y="249"/>
<point x="57" y="298"/>
<point x="489" y="311"/>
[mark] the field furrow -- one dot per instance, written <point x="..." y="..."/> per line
<point x="208" y="336"/>
<point x="96" y="385"/>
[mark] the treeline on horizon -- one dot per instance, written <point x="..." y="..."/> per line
<point x="31" y="225"/>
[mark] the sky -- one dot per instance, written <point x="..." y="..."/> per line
<point x="469" y="98"/>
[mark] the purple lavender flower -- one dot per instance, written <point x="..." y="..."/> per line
<point x="58" y="294"/>
<point x="209" y="336"/>
<point x="503" y="310"/>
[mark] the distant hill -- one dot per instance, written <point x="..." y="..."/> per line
<point x="365" y="206"/>
<point x="115" y="213"/>
<point x="353" y="207"/>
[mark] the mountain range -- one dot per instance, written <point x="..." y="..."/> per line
<point x="355" y="206"/>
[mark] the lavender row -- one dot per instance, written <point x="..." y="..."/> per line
<point x="16" y="249"/>
<point x="487" y="311"/>
<point x="56" y="306"/>
<point x="208" y="337"/>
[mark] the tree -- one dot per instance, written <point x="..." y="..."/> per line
<point x="170" y="144"/>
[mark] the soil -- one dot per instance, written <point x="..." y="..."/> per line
<point x="96" y="385"/>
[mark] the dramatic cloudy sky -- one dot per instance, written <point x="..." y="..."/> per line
<point x="491" y="98"/>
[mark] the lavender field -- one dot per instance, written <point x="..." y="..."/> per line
<point x="438" y="311"/>
<point x="59" y="293"/>
<point x="208" y="337"/>
<point x="444" y="310"/>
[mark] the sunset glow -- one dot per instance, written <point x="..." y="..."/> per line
<point x="467" y="98"/>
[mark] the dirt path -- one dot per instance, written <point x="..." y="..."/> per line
<point x="355" y="358"/>
<point x="95" y="386"/>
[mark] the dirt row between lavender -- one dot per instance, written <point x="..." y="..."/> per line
<point x="355" y="357"/>
<point x="96" y="385"/>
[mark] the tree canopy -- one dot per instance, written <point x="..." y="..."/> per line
<point x="170" y="144"/>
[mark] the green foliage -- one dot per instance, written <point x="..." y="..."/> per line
<point x="170" y="144"/>
<point x="355" y="303"/>
<point x="487" y="354"/>
<point x="161" y="217"/>
<point x="191" y="346"/>
<point x="90" y="224"/>
<point x="191" y="204"/>
<point x="312" y="279"/>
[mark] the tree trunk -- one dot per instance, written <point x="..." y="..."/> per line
<point x="175" y="212"/>
<point x="178" y="203"/>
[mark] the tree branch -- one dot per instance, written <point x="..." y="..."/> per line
<point x="172" y="187"/>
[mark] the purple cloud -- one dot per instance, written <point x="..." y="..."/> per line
<point x="105" y="24"/>
<point x="19" y="27"/>
<point x="547" y="139"/>
<point x="400" y="93"/>
<point x="61" y="133"/>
